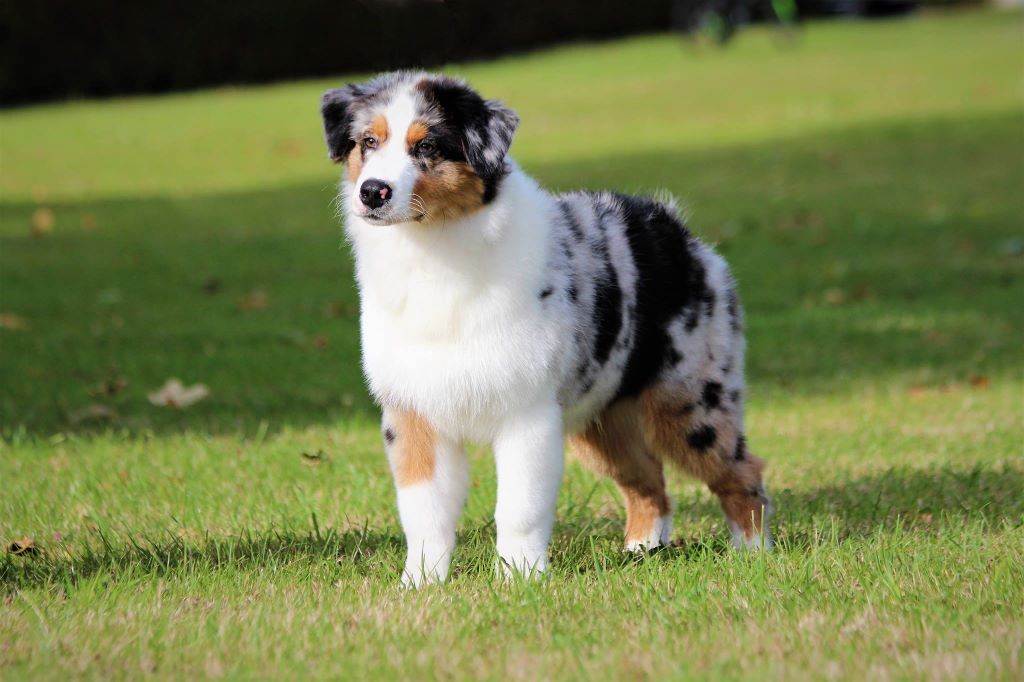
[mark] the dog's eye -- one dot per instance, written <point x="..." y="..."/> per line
<point x="424" y="148"/>
<point x="370" y="142"/>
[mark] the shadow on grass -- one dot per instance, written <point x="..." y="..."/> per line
<point x="915" y="501"/>
<point x="259" y="551"/>
<point x="850" y="248"/>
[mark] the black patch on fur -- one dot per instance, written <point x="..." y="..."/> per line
<point x="711" y="396"/>
<point x="692" y="317"/>
<point x="733" y="308"/>
<point x="547" y="291"/>
<point x="671" y="279"/>
<point x="673" y="357"/>
<point x="735" y="395"/>
<point x="389" y="436"/>
<point x="336" y="108"/>
<point x="702" y="438"/>
<point x="570" y="220"/>
<point x="709" y="302"/>
<point x="573" y="292"/>
<point x="740" y="453"/>
<point x="585" y="378"/>
<point x="607" y="299"/>
<point x="685" y="409"/>
<point x="485" y="127"/>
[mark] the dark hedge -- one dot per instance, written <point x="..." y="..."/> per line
<point x="52" y="49"/>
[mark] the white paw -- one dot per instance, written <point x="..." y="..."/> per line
<point x="429" y="566"/>
<point x="759" y="542"/>
<point x="415" y="578"/>
<point x="659" y="535"/>
<point x="522" y="562"/>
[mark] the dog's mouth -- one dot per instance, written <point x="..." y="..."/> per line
<point x="385" y="218"/>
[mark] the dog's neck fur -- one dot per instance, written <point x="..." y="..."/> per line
<point x="491" y="255"/>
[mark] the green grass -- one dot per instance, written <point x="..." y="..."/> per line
<point x="866" y="184"/>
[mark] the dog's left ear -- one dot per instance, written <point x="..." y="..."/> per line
<point x="488" y="141"/>
<point x="485" y="127"/>
<point x="336" y="109"/>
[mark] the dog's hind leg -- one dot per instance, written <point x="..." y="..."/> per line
<point x="614" y="446"/>
<point x="708" y="443"/>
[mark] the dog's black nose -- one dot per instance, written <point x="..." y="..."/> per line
<point x="375" y="193"/>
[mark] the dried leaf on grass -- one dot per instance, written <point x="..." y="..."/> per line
<point x="338" y="309"/>
<point x="12" y="322"/>
<point x="43" y="221"/>
<point x="314" y="457"/>
<point x="176" y="395"/>
<point x="978" y="381"/>
<point x="91" y="413"/>
<point x="25" y="546"/>
<point x="256" y="299"/>
<point x="111" y="386"/>
<point x="212" y="286"/>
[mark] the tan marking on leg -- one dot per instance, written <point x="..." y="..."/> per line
<point x="678" y="430"/>
<point x="742" y="496"/>
<point x="644" y="508"/>
<point x="613" y="446"/>
<point x="448" y="190"/>
<point x="413" y="449"/>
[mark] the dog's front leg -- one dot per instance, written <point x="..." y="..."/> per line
<point x="431" y="477"/>
<point x="529" y="455"/>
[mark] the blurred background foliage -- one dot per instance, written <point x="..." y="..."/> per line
<point x="56" y="49"/>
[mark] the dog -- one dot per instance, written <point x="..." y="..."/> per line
<point x="493" y="311"/>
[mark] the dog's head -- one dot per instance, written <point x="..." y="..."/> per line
<point x="418" y="147"/>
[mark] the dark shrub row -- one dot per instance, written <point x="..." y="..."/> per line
<point x="65" y="48"/>
<point x="54" y="49"/>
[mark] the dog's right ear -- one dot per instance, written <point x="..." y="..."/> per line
<point x="336" y="109"/>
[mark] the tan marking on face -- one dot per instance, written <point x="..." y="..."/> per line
<point x="355" y="163"/>
<point x="668" y="418"/>
<point x="448" y="190"/>
<point x="417" y="131"/>
<point x="379" y="129"/>
<point x="413" y="449"/>
<point x="614" y="446"/>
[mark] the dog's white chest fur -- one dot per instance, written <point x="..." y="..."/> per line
<point x="451" y="324"/>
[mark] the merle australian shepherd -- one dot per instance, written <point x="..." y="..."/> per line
<point x="494" y="311"/>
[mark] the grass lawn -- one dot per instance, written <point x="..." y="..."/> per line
<point x="867" y="183"/>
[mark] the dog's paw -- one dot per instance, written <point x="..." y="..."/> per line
<point x="659" y="535"/>
<point x="414" y="580"/>
<point x="759" y="542"/>
<point x="520" y="567"/>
